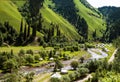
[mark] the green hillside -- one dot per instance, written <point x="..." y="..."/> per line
<point x="51" y="13"/>
<point x="66" y="28"/>
<point x="71" y="9"/>
<point x="9" y="12"/>
<point x="94" y="20"/>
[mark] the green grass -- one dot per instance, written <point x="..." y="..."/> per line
<point x="111" y="50"/>
<point x="40" y="63"/>
<point x="66" y="28"/>
<point x="111" y="77"/>
<point x="9" y="12"/>
<point x="77" y="54"/>
<point x="92" y="21"/>
<point x="17" y="49"/>
<point x="19" y="3"/>
<point x="42" y="77"/>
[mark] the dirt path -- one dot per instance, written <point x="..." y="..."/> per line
<point x="84" y="79"/>
<point x="113" y="56"/>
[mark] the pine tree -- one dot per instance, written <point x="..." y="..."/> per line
<point x="94" y="34"/>
<point x="84" y="28"/>
<point x="34" y="8"/>
<point x="58" y="31"/>
<point x="21" y="26"/>
<point x="34" y="30"/>
<point x="28" y="33"/>
<point x="25" y="33"/>
<point x="1" y="39"/>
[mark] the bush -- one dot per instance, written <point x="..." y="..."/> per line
<point x="29" y="52"/>
<point x="29" y="77"/>
<point x="36" y="57"/>
<point x="30" y="59"/>
<point x="43" y="54"/>
<point x="55" y="80"/>
<point x="66" y="57"/>
<point x="74" y="64"/>
<point x="22" y="52"/>
<point x="72" y="76"/>
<point x="77" y="74"/>
<point x="58" y="64"/>
<point x="66" y="79"/>
<point x="83" y="71"/>
<point x="9" y="65"/>
<point x="93" y="65"/>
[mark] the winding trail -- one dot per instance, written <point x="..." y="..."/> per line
<point x="113" y="56"/>
<point x="84" y="79"/>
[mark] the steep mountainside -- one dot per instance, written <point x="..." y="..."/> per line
<point x="9" y="12"/>
<point x="72" y="10"/>
<point x="112" y="17"/>
<point x="75" y="18"/>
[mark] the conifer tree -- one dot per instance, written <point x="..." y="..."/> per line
<point x="34" y="8"/>
<point x="28" y="33"/>
<point x="21" y="26"/>
<point x="25" y="33"/>
<point x="58" y="31"/>
<point x="1" y="39"/>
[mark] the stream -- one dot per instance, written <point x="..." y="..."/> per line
<point x="39" y="70"/>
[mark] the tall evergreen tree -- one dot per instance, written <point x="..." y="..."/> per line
<point x="25" y="32"/>
<point x="1" y="39"/>
<point x="34" y="9"/>
<point x="28" y="33"/>
<point x="21" y="26"/>
<point x="58" y="31"/>
<point x="84" y="28"/>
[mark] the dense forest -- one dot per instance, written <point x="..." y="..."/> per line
<point x="111" y="15"/>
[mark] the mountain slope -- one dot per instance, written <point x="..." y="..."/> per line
<point x="72" y="9"/>
<point x="66" y="28"/>
<point x="112" y="17"/>
<point x="94" y="20"/>
<point x="9" y="12"/>
<point x="67" y="14"/>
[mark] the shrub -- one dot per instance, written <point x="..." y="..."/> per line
<point x="22" y="52"/>
<point x="29" y="77"/>
<point x="83" y="71"/>
<point x="93" y="65"/>
<point x="29" y="52"/>
<point x="30" y="59"/>
<point x="9" y="65"/>
<point x="55" y="80"/>
<point x="72" y="76"/>
<point x="77" y="74"/>
<point x="36" y="57"/>
<point x="58" y="64"/>
<point x="74" y="64"/>
<point x="66" y="79"/>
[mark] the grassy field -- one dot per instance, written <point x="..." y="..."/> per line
<point x="42" y="77"/>
<point x="111" y="49"/>
<point x="77" y="54"/>
<point x="17" y="49"/>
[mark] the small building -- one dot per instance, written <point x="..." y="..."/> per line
<point x="51" y="59"/>
<point x="40" y="59"/>
<point x="64" y="71"/>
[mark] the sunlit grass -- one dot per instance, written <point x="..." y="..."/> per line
<point x="42" y="77"/>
